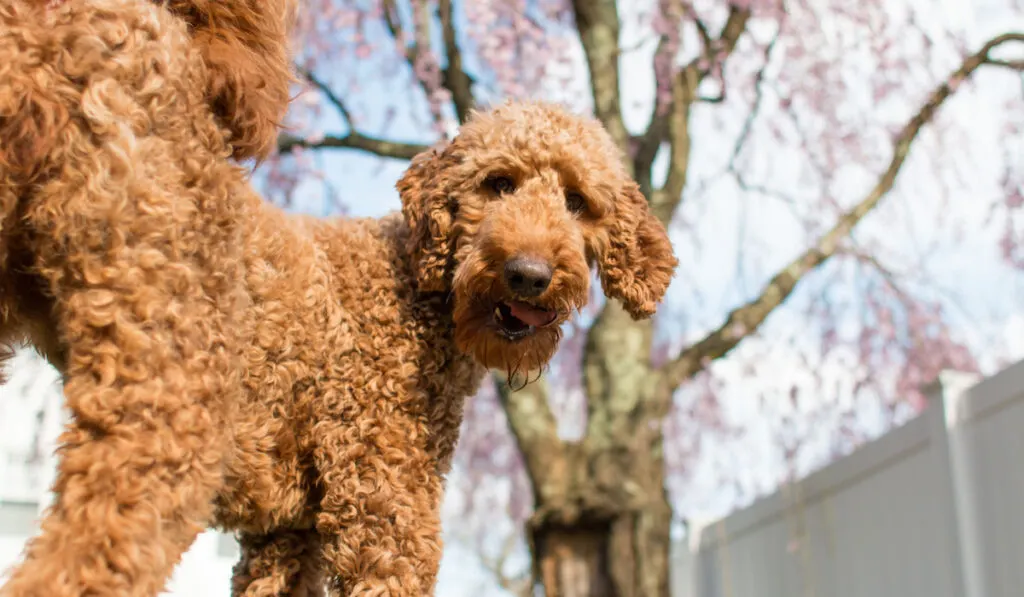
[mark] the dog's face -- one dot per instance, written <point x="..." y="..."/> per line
<point x="509" y="219"/>
<point x="245" y="46"/>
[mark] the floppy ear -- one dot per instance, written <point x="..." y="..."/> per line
<point x="244" y="44"/>
<point x="638" y="264"/>
<point x="428" y="212"/>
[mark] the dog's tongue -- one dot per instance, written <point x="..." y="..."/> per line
<point x="531" y="315"/>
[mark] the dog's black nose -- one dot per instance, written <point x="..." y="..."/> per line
<point x="527" y="276"/>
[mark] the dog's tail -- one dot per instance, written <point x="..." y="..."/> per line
<point x="29" y="125"/>
<point x="32" y="115"/>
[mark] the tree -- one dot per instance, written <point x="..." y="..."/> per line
<point x="778" y="80"/>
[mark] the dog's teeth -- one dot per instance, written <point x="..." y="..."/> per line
<point x="497" y="313"/>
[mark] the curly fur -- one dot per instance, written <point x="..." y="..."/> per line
<point x="298" y="381"/>
<point x="462" y="232"/>
<point x="244" y="45"/>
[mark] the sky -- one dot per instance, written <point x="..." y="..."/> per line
<point x="759" y="234"/>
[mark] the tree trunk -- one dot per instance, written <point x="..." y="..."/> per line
<point x="573" y="561"/>
<point x="601" y="520"/>
<point x="618" y="555"/>
<point x="606" y="533"/>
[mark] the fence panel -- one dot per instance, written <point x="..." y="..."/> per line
<point x="987" y="433"/>
<point x="878" y="522"/>
<point x="931" y="509"/>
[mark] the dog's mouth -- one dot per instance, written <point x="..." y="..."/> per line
<point x="515" y="320"/>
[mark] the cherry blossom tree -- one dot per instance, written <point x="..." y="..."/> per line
<point x="818" y="146"/>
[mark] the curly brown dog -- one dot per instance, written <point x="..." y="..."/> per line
<point x="366" y="337"/>
<point x="298" y="381"/>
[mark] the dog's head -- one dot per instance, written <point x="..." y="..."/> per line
<point x="510" y="217"/>
<point x="245" y="46"/>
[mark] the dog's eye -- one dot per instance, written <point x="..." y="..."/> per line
<point x="501" y="184"/>
<point x="575" y="202"/>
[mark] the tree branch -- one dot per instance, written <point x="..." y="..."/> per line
<point x="865" y="258"/>
<point x="455" y="78"/>
<point x="684" y="92"/>
<point x="745" y="320"/>
<point x="755" y="110"/>
<point x="421" y="37"/>
<point x="998" y="41"/>
<point x="702" y="28"/>
<point x="734" y="27"/>
<point x="389" y="149"/>
<point x="394" y="24"/>
<point x="598" y="24"/>
<point x="325" y="89"/>
<point x="536" y="433"/>
<point x="648" y="143"/>
<point x="713" y="55"/>
<point x="1011" y="64"/>
<point x="287" y="143"/>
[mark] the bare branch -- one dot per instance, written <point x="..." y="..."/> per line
<point x="649" y="142"/>
<point x="536" y="433"/>
<point x="394" y="22"/>
<point x="325" y="89"/>
<point x="731" y="32"/>
<point x="745" y="320"/>
<point x="1017" y="65"/>
<point x="420" y="38"/>
<point x="1011" y="64"/>
<point x="890" y="277"/>
<point x="755" y="109"/>
<point x="702" y="28"/>
<point x="423" y="63"/>
<point x="389" y="149"/>
<point x="713" y="56"/>
<point x="716" y="51"/>
<point x="598" y="24"/>
<point x="455" y="78"/>
<point x="684" y="92"/>
<point x="287" y="143"/>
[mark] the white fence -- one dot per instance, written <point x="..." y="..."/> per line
<point x="932" y="509"/>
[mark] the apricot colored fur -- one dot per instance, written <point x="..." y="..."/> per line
<point x="297" y="381"/>
<point x="368" y="336"/>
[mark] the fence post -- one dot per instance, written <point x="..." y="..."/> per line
<point x="951" y="391"/>
<point x="708" y="575"/>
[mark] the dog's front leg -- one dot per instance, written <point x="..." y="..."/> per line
<point x="142" y="458"/>
<point x="144" y="298"/>
<point x="380" y="514"/>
